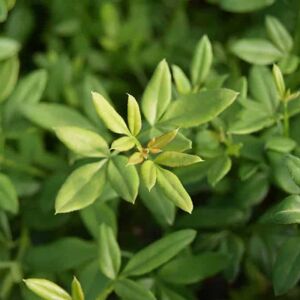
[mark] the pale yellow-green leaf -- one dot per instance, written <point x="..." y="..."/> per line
<point x="134" y="116"/>
<point x="77" y="292"/>
<point x="148" y="173"/>
<point x="109" y="116"/>
<point x="124" y="143"/>
<point x="163" y="140"/>
<point x="135" y="158"/>
<point x="182" y="83"/>
<point x="176" y="159"/>
<point x="279" y="81"/>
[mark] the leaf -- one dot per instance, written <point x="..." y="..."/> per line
<point x="176" y="159"/>
<point x="278" y="34"/>
<point x="173" y="189"/>
<point x="8" y="195"/>
<point x="192" y="269"/>
<point x="47" y="289"/>
<point x="134" y="116"/>
<point x="182" y="83"/>
<point x="157" y="95"/>
<point x="256" y="51"/>
<point x="241" y="6"/>
<point x="280" y="144"/>
<point x="109" y="252"/>
<point x="130" y="290"/>
<point x="50" y="115"/>
<point x="285" y="212"/>
<point x="59" y="256"/>
<point x="148" y="173"/>
<point x="28" y="91"/>
<point x="82" y="141"/>
<point x="293" y="165"/>
<point x="3" y="10"/>
<point x="81" y="188"/>
<point x="220" y="167"/>
<point x="279" y="81"/>
<point x="123" y="143"/>
<point x="109" y="116"/>
<point x="286" y="271"/>
<point x="135" y="159"/>
<point x="199" y="108"/>
<point x="202" y="61"/>
<point x="123" y="178"/>
<point x="162" y="140"/>
<point x="159" y="252"/>
<point x="9" y="71"/>
<point x="8" y="48"/>
<point x="77" y="292"/>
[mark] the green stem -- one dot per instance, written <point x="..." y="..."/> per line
<point x="286" y="121"/>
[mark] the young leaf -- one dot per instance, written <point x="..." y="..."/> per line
<point x="3" y="10"/>
<point x="47" y="289"/>
<point x="77" y="292"/>
<point x="148" y="172"/>
<point x="286" y="270"/>
<point x="285" y="212"/>
<point x="135" y="159"/>
<point x="8" y="195"/>
<point x="293" y="165"/>
<point x="279" y="81"/>
<point x="173" y="189"/>
<point x="162" y="140"/>
<point x="278" y="34"/>
<point x="157" y="95"/>
<point x="123" y="178"/>
<point x="130" y="290"/>
<point x="109" y="116"/>
<point x="123" y="143"/>
<point x="176" y="159"/>
<point x="182" y="83"/>
<point x="199" y="108"/>
<point x="8" y="48"/>
<point x="192" y="269"/>
<point x="82" y="187"/>
<point x="159" y="252"/>
<point x="134" y="116"/>
<point x="221" y="166"/>
<point x="109" y="252"/>
<point x="280" y="144"/>
<point x="256" y="51"/>
<point x="202" y="61"/>
<point x="81" y="141"/>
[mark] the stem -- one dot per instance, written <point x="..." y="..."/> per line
<point x="286" y="121"/>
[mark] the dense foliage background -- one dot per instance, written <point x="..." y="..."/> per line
<point x="242" y="239"/>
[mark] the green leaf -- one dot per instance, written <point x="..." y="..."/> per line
<point x="134" y="116"/>
<point x="174" y="190"/>
<point x="293" y="164"/>
<point x="286" y="270"/>
<point x="123" y="143"/>
<point x="159" y="252"/>
<point x="199" y="108"/>
<point x="285" y="212"/>
<point x="256" y="51"/>
<point x="83" y="142"/>
<point x="278" y="34"/>
<point x="289" y="63"/>
<point x="192" y="269"/>
<point x="220" y="167"/>
<point x="202" y="61"/>
<point x="123" y="178"/>
<point x="109" y="116"/>
<point x="8" y="195"/>
<point x="182" y="83"/>
<point x="50" y="115"/>
<point x="279" y="81"/>
<point x="242" y="6"/>
<point x="77" y="292"/>
<point x="47" y="289"/>
<point x="280" y="144"/>
<point x="130" y="290"/>
<point x="163" y="140"/>
<point x="3" y="10"/>
<point x="9" y="71"/>
<point x="8" y="48"/>
<point x="29" y="91"/>
<point x="109" y="252"/>
<point x="82" y="187"/>
<point x="176" y="159"/>
<point x="148" y="173"/>
<point x="157" y="95"/>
